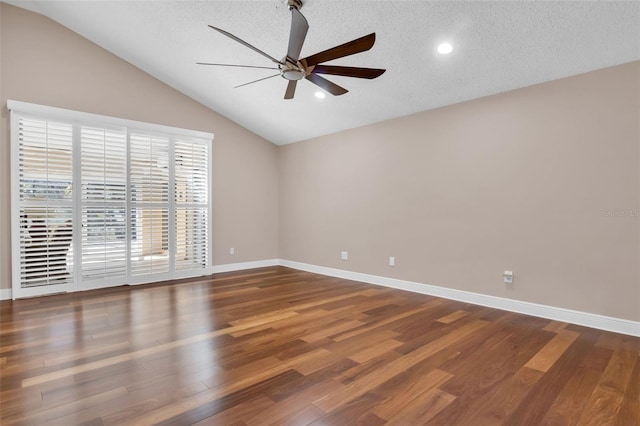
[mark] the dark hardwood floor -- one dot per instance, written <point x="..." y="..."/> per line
<point x="280" y="346"/>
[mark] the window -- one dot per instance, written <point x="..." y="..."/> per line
<point x="102" y="201"/>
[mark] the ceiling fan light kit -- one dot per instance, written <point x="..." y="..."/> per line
<point x="293" y="69"/>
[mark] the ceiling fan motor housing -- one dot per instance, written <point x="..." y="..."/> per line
<point x="294" y="4"/>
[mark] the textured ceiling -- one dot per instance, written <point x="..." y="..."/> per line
<point x="498" y="46"/>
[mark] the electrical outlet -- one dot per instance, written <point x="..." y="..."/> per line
<point x="392" y="261"/>
<point x="232" y="251"/>
<point x="344" y="255"/>
<point x="508" y="277"/>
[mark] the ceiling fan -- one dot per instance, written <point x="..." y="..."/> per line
<point x="292" y="68"/>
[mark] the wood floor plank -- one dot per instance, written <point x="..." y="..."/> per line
<point x="381" y="323"/>
<point x="294" y="405"/>
<point x="331" y="330"/>
<point x="495" y="408"/>
<point x="609" y="395"/>
<point x="118" y="411"/>
<point x="547" y="356"/>
<point x="239" y="412"/>
<point x="423" y="408"/>
<point x="630" y="409"/>
<point x="548" y="387"/>
<point x="375" y="350"/>
<point x="55" y="413"/>
<point x="280" y="346"/>
<point x="31" y="381"/>
<point x="400" y="401"/>
<point x="503" y="355"/>
<point x="573" y="397"/>
<point x="454" y="316"/>
<point x="370" y="381"/>
<point x="617" y="375"/>
<point x="602" y="409"/>
<point x="213" y="407"/>
<point x="555" y="326"/>
<point x="357" y="411"/>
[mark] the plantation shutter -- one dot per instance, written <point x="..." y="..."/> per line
<point x="149" y="189"/>
<point x="99" y="201"/>
<point x="104" y="202"/>
<point x="45" y="158"/>
<point x="191" y="204"/>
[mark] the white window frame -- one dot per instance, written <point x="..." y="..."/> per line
<point x="18" y="109"/>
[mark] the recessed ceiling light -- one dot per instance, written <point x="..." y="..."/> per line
<point x="445" y="48"/>
<point x="320" y="95"/>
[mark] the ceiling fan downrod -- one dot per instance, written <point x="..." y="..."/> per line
<point x="294" y="4"/>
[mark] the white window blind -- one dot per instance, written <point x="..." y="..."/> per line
<point x="141" y="211"/>
<point x="191" y="200"/>
<point x="45" y="201"/>
<point x="149" y="182"/>
<point x="104" y="202"/>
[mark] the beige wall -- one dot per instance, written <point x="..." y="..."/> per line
<point x="520" y="181"/>
<point x="45" y="63"/>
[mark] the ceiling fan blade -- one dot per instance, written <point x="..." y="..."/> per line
<point x="291" y="89"/>
<point x="348" y="71"/>
<point x="327" y="85"/>
<point x="240" y="66"/>
<point x="299" y="28"/>
<point x="255" y="81"/>
<point x="255" y="49"/>
<point x="354" y="46"/>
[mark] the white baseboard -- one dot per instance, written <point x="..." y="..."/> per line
<point x="5" y="294"/>
<point x="230" y="267"/>
<point x="600" y="322"/>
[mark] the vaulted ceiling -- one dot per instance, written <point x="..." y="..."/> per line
<point x="497" y="46"/>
